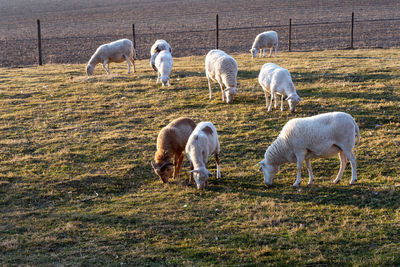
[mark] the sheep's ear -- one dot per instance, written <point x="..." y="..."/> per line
<point x="287" y="98"/>
<point x="193" y="171"/>
<point x="210" y="174"/>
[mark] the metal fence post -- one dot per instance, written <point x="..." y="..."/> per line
<point x="39" y="43"/>
<point x="352" y="30"/>
<point x="216" y="31"/>
<point x="134" y="36"/>
<point x="290" y="36"/>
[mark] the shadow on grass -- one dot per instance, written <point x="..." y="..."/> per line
<point x="358" y="195"/>
<point x="314" y="76"/>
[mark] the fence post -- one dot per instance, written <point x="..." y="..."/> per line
<point x="216" y="31"/>
<point x="134" y="36"/>
<point x="290" y="36"/>
<point x="352" y="30"/>
<point x="39" y="42"/>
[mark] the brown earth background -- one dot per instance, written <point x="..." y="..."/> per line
<point x="72" y="30"/>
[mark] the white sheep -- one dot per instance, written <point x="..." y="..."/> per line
<point x="222" y="68"/>
<point x="156" y="48"/>
<point x="265" y="40"/>
<point x="164" y="64"/>
<point x="319" y="136"/>
<point x="202" y="143"/>
<point x="117" y="52"/>
<point x="279" y="82"/>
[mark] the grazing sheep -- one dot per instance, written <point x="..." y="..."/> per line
<point x="319" y="136"/>
<point x="277" y="79"/>
<point x="222" y="68"/>
<point x="117" y="52"/>
<point x="202" y="143"/>
<point x="156" y="48"/>
<point x="171" y="143"/>
<point x="265" y="40"/>
<point x="164" y="64"/>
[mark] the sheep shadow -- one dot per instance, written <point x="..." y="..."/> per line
<point x="314" y="76"/>
<point x="359" y="195"/>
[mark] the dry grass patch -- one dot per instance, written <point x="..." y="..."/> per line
<point x="66" y="138"/>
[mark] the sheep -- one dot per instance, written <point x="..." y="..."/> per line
<point x="202" y="143"/>
<point x="278" y="80"/>
<point x="164" y="64"/>
<point x="319" y="136"/>
<point x="265" y="40"/>
<point x="171" y="143"/>
<point x="117" y="51"/>
<point x="222" y="68"/>
<point x="156" y="48"/>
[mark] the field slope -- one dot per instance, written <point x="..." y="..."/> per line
<point x="77" y="188"/>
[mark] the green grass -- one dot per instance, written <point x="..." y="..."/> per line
<point x="66" y="137"/>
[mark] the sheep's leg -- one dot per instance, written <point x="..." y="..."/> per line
<point x="191" y="173"/>
<point x="129" y="64"/>
<point x="133" y="63"/>
<point x="222" y="91"/>
<point x="270" y="52"/>
<point x="178" y="166"/>
<point x="158" y="77"/>
<point x="104" y="66"/>
<point x="343" y="162"/>
<point x="266" y="98"/>
<point x="300" y="158"/>
<point x="282" y="102"/>
<point x="270" y="102"/>
<point x="276" y="50"/>
<point x="349" y="155"/>
<point x="275" y="100"/>
<point x="218" y="169"/>
<point x="209" y="86"/>
<point x="309" y="169"/>
<point x="261" y="52"/>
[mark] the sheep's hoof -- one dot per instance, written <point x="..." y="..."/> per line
<point x="336" y="181"/>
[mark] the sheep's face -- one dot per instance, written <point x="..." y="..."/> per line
<point x="269" y="172"/>
<point x="293" y="100"/>
<point x="201" y="177"/>
<point x="164" y="171"/>
<point x="230" y="94"/>
<point x="89" y="70"/>
<point x="253" y="52"/>
<point x="165" y="80"/>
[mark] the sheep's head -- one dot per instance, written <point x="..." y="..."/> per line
<point x="253" y="52"/>
<point x="230" y="93"/>
<point x="164" y="170"/>
<point x="201" y="177"/>
<point x="165" y="80"/>
<point x="89" y="69"/>
<point x="293" y="100"/>
<point x="269" y="171"/>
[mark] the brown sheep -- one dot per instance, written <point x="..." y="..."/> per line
<point x="171" y="143"/>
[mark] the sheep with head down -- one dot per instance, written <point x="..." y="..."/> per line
<point x="118" y="51"/>
<point x="156" y="48"/>
<point x="202" y="143"/>
<point x="319" y="136"/>
<point x="277" y="81"/>
<point x="263" y="41"/>
<point x="222" y="68"/>
<point x="171" y="142"/>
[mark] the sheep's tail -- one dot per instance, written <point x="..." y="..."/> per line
<point x="358" y="135"/>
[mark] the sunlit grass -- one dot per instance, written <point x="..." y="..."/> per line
<point x="66" y="138"/>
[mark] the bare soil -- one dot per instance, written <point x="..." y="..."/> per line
<point x="72" y="30"/>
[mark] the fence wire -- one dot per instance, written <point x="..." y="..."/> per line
<point x="372" y="33"/>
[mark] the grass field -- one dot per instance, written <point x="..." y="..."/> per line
<point x="77" y="187"/>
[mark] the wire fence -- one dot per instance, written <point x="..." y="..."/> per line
<point x="374" y="33"/>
